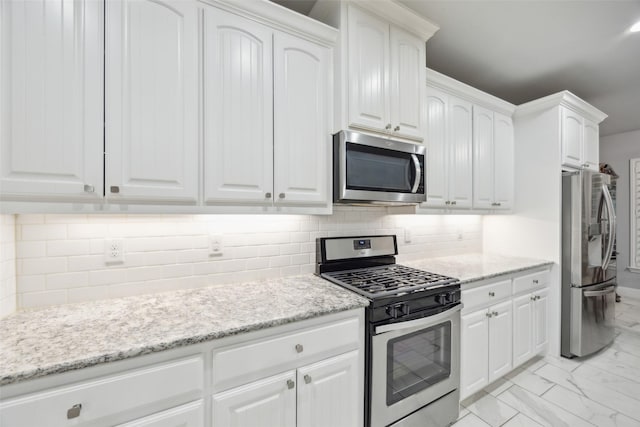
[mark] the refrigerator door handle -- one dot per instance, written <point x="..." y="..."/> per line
<point x="599" y="293"/>
<point x="611" y="215"/>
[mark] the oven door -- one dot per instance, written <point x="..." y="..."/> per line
<point x="413" y="363"/>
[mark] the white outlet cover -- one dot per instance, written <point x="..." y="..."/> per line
<point x="114" y="251"/>
<point x="215" y="245"/>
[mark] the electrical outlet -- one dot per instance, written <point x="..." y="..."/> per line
<point x="407" y="235"/>
<point x="215" y="245"/>
<point x="114" y="251"/>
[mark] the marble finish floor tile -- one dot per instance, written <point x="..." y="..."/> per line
<point x="498" y="386"/>
<point x="608" y="380"/>
<point x="563" y="363"/>
<point x="470" y="420"/>
<point x="521" y="420"/>
<point x="491" y="410"/>
<point x="529" y="381"/>
<point x="617" y="362"/>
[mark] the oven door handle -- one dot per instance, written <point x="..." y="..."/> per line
<point x="423" y="321"/>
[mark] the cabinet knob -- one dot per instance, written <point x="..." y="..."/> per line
<point x="533" y="298"/>
<point x="388" y="127"/>
<point x="495" y="313"/>
<point x="299" y="348"/>
<point x="535" y="281"/>
<point x="290" y="384"/>
<point x="281" y="195"/>
<point x="307" y="379"/>
<point x="537" y="297"/>
<point x="454" y="202"/>
<point x="396" y="129"/>
<point x="585" y="165"/>
<point x="74" y="411"/>
<point x="89" y="188"/>
<point x="488" y="314"/>
<point x="447" y="202"/>
<point x="496" y="204"/>
<point x="492" y="294"/>
<point x="267" y="195"/>
<point x="114" y="189"/>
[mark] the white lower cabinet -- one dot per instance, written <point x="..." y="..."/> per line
<point x="530" y="335"/>
<point x="190" y="415"/>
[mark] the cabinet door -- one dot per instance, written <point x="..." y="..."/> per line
<point x="328" y="393"/>
<point x="301" y="124"/>
<point x="571" y="139"/>
<point x="190" y="415"/>
<point x="591" y="147"/>
<point x="500" y="344"/>
<point x="540" y="315"/>
<point x="408" y="68"/>
<point x="460" y="144"/>
<point x="522" y="329"/>
<point x="238" y="109"/>
<point x="437" y="148"/>
<point x="368" y="72"/>
<point x="268" y="402"/>
<point x="474" y="352"/>
<point x="51" y="99"/>
<point x="482" y="157"/>
<point x="152" y="100"/>
<point x="503" y="160"/>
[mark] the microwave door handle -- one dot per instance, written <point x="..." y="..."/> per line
<point x="611" y="216"/>
<point x="416" y="164"/>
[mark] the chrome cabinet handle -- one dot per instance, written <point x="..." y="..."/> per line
<point x="267" y="195"/>
<point x="307" y="379"/>
<point x="454" y="203"/>
<point x="496" y="204"/>
<point x="537" y="297"/>
<point x="447" y="202"/>
<point x="533" y="297"/>
<point x="290" y="384"/>
<point x="585" y="165"/>
<point x="74" y="411"/>
<point x="281" y="195"/>
<point x="488" y="314"/>
<point x="89" y="188"/>
<point x="535" y="281"/>
<point x="495" y="313"/>
<point x="114" y="189"/>
<point x="396" y="129"/>
<point x="299" y="348"/>
<point x="492" y="294"/>
<point x="388" y="126"/>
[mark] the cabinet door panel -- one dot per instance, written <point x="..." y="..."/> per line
<point x="51" y="99"/>
<point x="500" y="344"/>
<point x="571" y="139"/>
<point x="437" y="148"/>
<point x="368" y="70"/>
<point x="540" y="315"/>
<point x="190" y="415"/>
<point x="460" y="152"/>
<point x="407" y="68"/>
<point x="152" y="100"/>
<point x="503" y="160"/>
<point x="269" y="402"/>
<point x="328" y="393"/>
<point x="591" y="148"/>
<point x="522" y="329"/>
<point x="474" y="352"/>
<point x="482" y="157"/>
<point x="301" y="123"/>
<point x="238" y="109"/>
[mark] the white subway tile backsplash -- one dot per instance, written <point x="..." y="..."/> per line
<point x="60" y="258"/>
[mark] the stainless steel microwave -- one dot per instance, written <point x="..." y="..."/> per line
<point x="372" y="170"/>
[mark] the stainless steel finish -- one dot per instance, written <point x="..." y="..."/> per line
<point x="418" y="323"/>
<point x="592" y="318"/>
<point x="290" y="384"/>
<point x="89" y="188"/>
<point x="114" y="189"/>
<point x="381" y="413"/>
<point x="611" y="215"/>
<point x="605" y="291"/>
<point x="416" y="164"/>
<point x="344" y="195"/>
<point x="343" y="248"/>
<point x="74" y="411"/>
<point x="299" y="348"/>
<point x="396" y="129"/>
<point x="438" y="413"/>
<point x="307" y="379"/>
<point x="267" y="196"/>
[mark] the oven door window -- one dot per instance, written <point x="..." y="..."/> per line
<point x="417" y="361"/>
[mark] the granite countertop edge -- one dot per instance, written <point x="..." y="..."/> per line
<point x="509" y="271"/>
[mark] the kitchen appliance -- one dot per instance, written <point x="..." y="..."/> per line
<point x="372" y="170"/>
<point x="588" y="276"/>
<point x="412" y="350"/>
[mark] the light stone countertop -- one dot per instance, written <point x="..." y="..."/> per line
<point x="74" y="336"/>
<point x="478" y="266"/>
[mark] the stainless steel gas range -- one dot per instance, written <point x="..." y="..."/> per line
<point x="412" y="354"/>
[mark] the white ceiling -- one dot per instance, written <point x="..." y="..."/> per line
<point x="522" y="50"/>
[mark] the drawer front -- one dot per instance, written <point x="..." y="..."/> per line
<point x="530" y="281"/>
<point x="246" y="363"/>
<point x="487" y="294"/>
<point x="111" y="399"/>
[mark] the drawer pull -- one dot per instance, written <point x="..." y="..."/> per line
<point x="290" y="384"/>
<point x="114" y="189"/>
<point x="299" y="348"/>
<point x="307" y="379"/>
<point x="492" y="294"/>
<point x="535" y="281"/>
<point x="488" y="314"/>
<point x="74" y="412"/>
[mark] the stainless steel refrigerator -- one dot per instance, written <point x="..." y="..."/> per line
<point x="588" y="275"/>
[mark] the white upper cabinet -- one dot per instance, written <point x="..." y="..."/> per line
<point x="591" y="146"/>
<point x="238" y="109"/>
<point x="151" y="101"/>
<point x="503" y="161"/>
<point x="51" y="100"/>
<point x="580" y="141"/>
<point x="301" y="122"/>
<point x="449" y="148"/>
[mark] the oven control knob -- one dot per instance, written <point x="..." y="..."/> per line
<point x="444" y="299"/>
<point x="398" y="310"/>
<point x="453" y="297"/>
